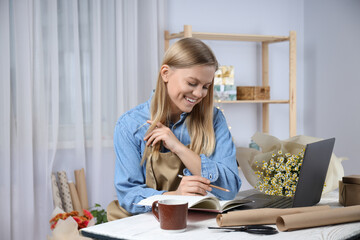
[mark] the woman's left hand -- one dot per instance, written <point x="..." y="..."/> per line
<point x="164" y="134"/>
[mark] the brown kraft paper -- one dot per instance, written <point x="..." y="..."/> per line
<point x="80" y="182"/>
<point x="75" y="198"/>
<point x="260" y="216"/>
<point x="319" y="218"/>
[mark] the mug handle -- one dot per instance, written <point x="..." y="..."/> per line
<point x="155" y="210"/>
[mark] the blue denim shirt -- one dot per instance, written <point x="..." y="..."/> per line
<point x="220" y="168"/>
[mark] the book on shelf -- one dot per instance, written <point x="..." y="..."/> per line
<point x="201" y="203"/>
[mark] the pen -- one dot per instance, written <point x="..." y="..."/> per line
<point x="213" y="186"/>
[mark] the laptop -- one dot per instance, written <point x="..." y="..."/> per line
<point x="310" y="184"/>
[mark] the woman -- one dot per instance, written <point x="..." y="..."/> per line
<point x="177" y="131"/>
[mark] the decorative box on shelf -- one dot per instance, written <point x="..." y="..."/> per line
<point x="225" y="92"/>
<point x="349" y="190"/>
<point x="224" y="76"/>
<point x="224" y="88"/>
<point x="252" y="93"/>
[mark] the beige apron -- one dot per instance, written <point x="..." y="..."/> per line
<point x="160" y="175"/>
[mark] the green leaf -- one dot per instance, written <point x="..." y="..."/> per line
<point x="104" y="220"/>
<point x="99" y="214"/>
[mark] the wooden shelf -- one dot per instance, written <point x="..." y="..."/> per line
<point x="254" y="101"/>
<point x="265" y="41"/>
<point x="231" y="37"/>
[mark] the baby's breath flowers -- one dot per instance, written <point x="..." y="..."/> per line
<point x="279" y="176"/>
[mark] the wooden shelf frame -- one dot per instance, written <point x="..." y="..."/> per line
<point x="230" y="37"/>
<point x="264" y="40"/>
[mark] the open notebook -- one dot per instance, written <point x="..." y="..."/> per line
<point x="201" y="203"/>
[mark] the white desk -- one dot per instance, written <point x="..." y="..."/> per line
<point x="145" y="226"/>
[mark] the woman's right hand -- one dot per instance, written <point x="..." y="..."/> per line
<point x="192" y="185"/>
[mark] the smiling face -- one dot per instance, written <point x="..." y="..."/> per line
<point x="186" y="87"/>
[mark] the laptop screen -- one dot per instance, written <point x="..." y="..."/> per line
<point x="313" y="173"/>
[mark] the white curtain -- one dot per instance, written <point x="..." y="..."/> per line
<point x="68" y="70"/>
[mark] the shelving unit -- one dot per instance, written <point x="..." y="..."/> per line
<point x="264" y="40"/>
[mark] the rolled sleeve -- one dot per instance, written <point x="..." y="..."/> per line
<point x="209" y="169"/>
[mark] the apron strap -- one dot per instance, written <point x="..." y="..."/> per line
<point x="162" y="173"/>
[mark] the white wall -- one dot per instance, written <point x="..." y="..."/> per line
<point x="328" y="57"/>
<point x="276" y="17"/>
<point x="332" y="76"/>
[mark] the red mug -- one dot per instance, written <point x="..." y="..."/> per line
<point x="171" y="213"/>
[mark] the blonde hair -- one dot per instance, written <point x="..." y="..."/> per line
<point x="186" y="53"/>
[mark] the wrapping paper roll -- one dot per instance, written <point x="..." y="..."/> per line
<point x="319" y="218"/>
<point x="75" y="198"/>
<point x="55" y="193"/>
<point x="80" y="182"/>
<point x="65" y="192"/>
<point x="261" y="216"/>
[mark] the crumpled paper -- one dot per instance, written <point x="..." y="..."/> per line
<point x="247" y="157"/>
<point x="67" y="229"/>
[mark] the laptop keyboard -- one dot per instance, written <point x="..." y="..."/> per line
<point x="285" y="202"/>
<point x="272" y="201"/>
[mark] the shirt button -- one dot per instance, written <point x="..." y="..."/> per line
<point x="210" y="176"/>
<point x="174" y="127"/>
